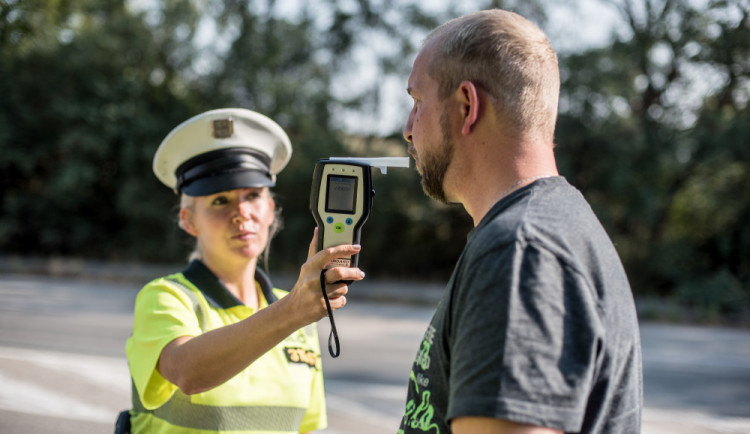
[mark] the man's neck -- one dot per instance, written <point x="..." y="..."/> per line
<point x="481" y="180"/>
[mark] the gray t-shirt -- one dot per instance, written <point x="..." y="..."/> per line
<point x="537" y="324"/>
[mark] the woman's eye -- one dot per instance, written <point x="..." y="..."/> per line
<point x="253" y="195"/>
<point x="221" y="200"/>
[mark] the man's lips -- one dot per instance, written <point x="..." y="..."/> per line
<point x="413" y="153"/>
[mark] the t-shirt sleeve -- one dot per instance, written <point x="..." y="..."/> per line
<point x="162" y="313"/>
<point x="524" y="339"/>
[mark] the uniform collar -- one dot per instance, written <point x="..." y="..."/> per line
<point x="216" y="293"/>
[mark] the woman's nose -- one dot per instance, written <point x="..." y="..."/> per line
<point x="244" y="211"/>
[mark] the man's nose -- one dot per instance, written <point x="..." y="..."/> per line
<point x="407" y="129"/>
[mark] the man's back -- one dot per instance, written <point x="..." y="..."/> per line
<point x="537" y="325"/>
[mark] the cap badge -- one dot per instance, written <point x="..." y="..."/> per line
<point x="223" y="128"/>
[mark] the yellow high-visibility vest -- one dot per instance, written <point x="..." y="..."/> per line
<point x="281" y="392"/>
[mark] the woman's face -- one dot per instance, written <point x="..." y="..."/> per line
<point x="231" y="223"/>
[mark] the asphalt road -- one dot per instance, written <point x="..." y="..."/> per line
<point x="63" y="367"/>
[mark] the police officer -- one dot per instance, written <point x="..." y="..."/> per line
<point x="216" y="348"/>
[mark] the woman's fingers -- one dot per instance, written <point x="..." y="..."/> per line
<point x="336" y="289"/>
<point x="326" y="256"/>
<point x="313" y="245"/>
<point x="336" y="303"/>
<point x="338" y="274"/>
<point x="335" y="276"/>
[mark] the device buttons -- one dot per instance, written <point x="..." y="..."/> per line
<point x="338" y="228"/>
<point x="329" y="220"/>
<point x="349" y="221"/>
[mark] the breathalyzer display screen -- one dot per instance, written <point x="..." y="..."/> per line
<point x="341" y="194"/>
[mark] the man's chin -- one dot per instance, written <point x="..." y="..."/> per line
<point x="433" y="193"/>
<point x="418" y="167"/>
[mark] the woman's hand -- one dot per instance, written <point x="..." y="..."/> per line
<point x="307" y="292"/>
<point x="200" y="363"/>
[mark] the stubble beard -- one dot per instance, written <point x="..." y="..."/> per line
<point x="434" y="165"/>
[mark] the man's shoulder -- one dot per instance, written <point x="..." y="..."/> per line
<point x="550" y="214"/>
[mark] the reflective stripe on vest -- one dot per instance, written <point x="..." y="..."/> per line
<point x="180" y="411"/>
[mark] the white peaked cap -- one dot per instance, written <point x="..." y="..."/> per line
<point x="222" y="150"/>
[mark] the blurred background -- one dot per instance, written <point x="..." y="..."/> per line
<point x="653" y="129"/>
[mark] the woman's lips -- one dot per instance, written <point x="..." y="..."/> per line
<point x="244" y="235"/>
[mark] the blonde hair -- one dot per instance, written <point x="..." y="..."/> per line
<point x="189" y="203"/>
<point x="507" y="56"/>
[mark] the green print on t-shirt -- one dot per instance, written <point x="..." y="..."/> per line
<point x="420" y="417"/>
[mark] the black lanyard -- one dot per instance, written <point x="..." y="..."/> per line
<point x="334" y="334"/>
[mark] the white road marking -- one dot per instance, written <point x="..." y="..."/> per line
<point x="658" y="421"/>
<point x="26" y="397"/>
<point x="357" y="399"/>
<point x="112" y="371"/>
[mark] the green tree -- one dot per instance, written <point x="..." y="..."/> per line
<point x="86" y="86"/>
<point x="91" y="87"/>
<point x="293" y="68"/>
<point x="652" y="130"/>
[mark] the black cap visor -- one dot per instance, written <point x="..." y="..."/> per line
<point x="223" y="170"/>
<point x="227" y="181"/>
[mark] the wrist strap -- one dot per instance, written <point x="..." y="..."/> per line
<point x="334" y="334"/>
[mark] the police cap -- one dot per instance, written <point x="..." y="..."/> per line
<point x="222" y="150"/>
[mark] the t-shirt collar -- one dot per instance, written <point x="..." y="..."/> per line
<point x="216" y="293"/>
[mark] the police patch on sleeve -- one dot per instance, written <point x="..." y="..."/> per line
<point x="302" y="356"/>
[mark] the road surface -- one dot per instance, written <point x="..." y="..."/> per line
<point x="63" y="366"/>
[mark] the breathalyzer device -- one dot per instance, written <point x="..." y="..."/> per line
<point x="340" y="201"/>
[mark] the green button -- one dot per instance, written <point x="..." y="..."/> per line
<point x="338" y="228"/>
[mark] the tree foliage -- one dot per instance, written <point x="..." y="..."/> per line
<point x="91" y="87"/>
<point x="652" y="127"/>
<point x="84" y="87"/>
<point x="654" y="130"/>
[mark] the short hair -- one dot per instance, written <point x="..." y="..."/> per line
<point x="508" y="57"/>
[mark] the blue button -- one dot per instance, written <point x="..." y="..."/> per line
<point x="349" y="221"/>
<point x="329" y="219"/>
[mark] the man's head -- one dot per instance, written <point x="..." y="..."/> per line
<point x="497" y="54"/>
<point x="506" y="56"/>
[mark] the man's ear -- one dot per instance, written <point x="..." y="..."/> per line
<point x="186" y="221"/>
<point x="469" y="99"/>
